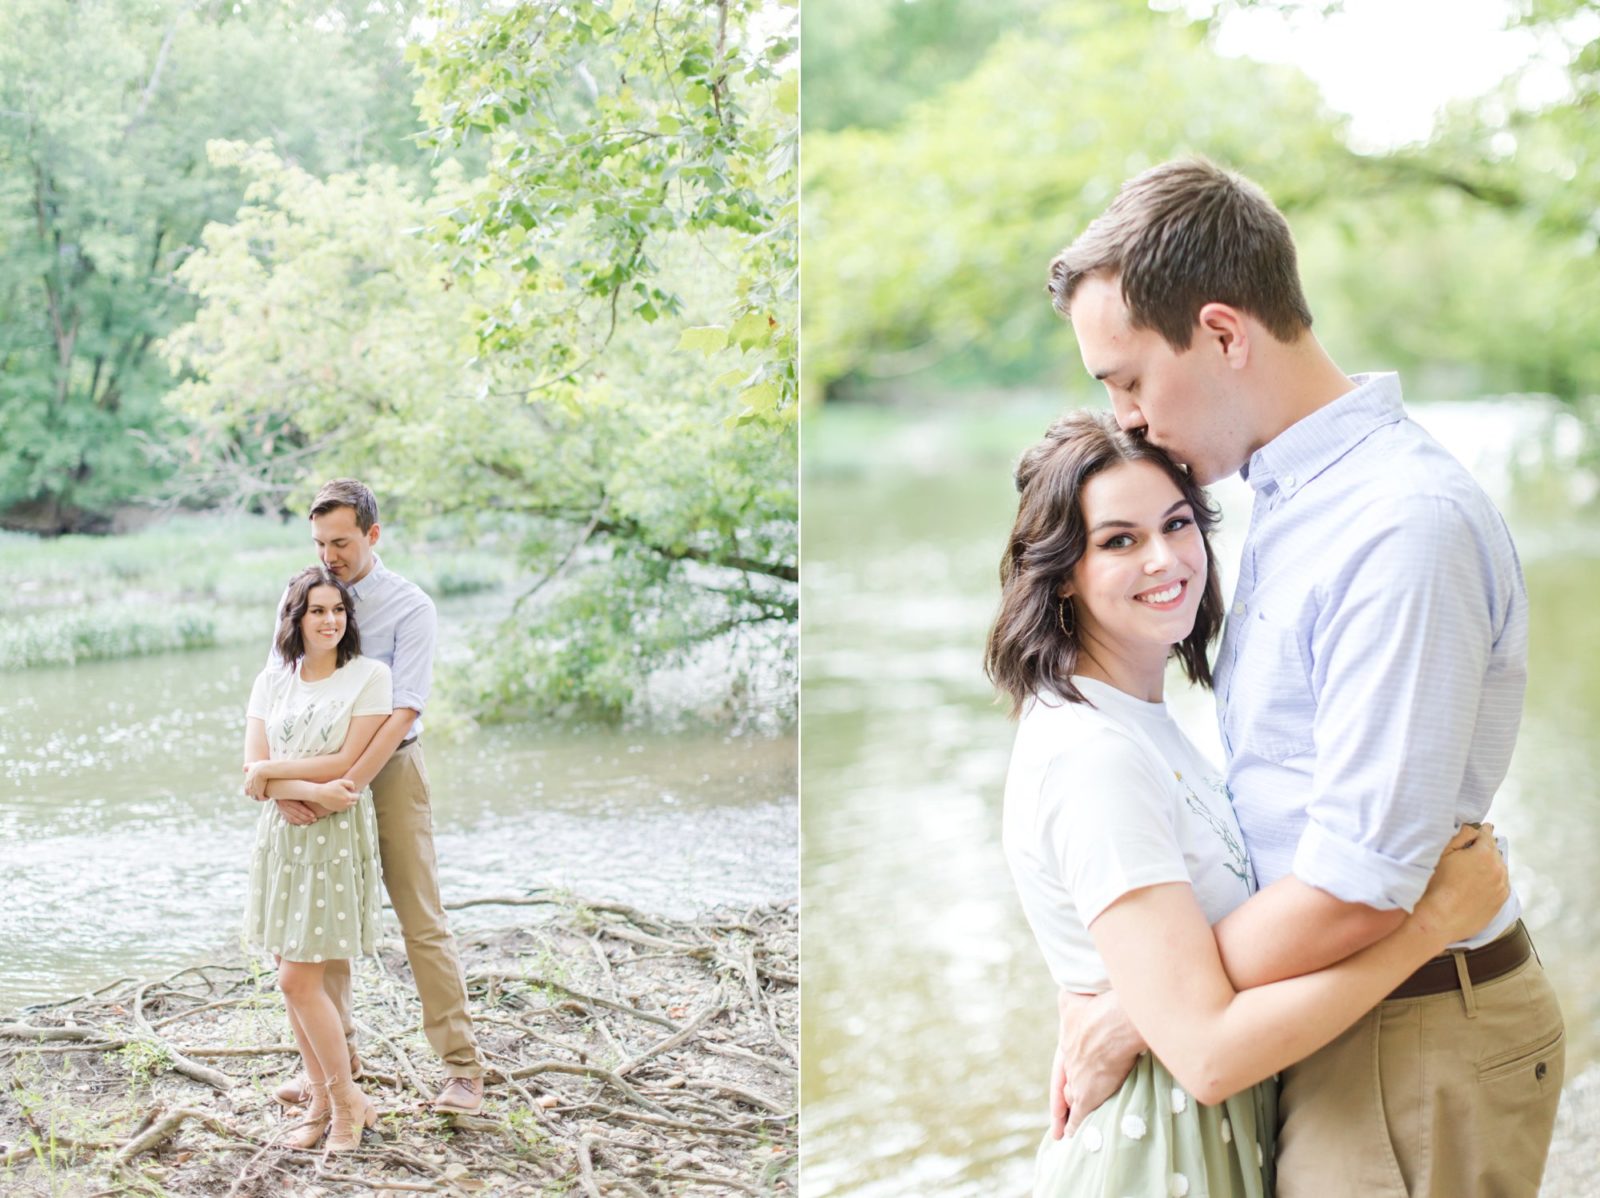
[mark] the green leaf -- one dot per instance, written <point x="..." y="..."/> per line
<point x="763" y="397"/>
<point x="750" y="330"/>
<point x="708" y="339"/>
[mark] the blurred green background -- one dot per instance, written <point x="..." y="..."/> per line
<point x="951" y="148"/>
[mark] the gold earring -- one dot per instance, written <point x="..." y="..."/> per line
<point x="1061" y="618"/>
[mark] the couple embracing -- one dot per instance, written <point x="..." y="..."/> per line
<point x="1303" y="972"/>
<point x="332" y="753"/>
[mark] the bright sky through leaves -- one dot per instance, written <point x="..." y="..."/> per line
<point x="1391" y="65"/>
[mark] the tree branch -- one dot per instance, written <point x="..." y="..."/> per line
<point x="155" y="74"/>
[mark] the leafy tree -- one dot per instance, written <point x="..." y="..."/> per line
<point x="868" y="61"/>
<point x="927" y="243"/>
<point x="593" y="340"/>
<point x="105" y="108"/>
<point x="1468" y="262"/>
<point x="614" y="130"/>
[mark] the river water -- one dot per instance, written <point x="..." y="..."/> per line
<point x="928" y="1016"/>
<point x="124" y="840"/>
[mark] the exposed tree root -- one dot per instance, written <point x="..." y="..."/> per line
<point x="628" y="1054"/>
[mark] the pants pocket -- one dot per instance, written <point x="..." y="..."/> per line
<point x="1543" y="1059"/>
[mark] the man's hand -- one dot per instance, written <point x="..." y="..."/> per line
<point x="296" y="812"/>
<point x="1096" y="1048"/>
<point x="255" y="780"/>
<point x="339" y="795"/>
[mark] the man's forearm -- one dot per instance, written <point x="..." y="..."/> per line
<point x="384" y="742"/>
<point x="308" y="793"/>
<point x="1291" y="928"/>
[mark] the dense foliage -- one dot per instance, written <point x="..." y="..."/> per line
<point x="1469" y="262"/>
<point x="586" y="350"/>
<point x="105" y="109"/>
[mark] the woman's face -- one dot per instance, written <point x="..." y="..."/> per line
<point x="322" y="626"/>
<point x="1136" y="591"/>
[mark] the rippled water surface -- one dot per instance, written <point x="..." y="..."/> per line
<point x="123" y="839"/>
<point x="928" y="1014"/>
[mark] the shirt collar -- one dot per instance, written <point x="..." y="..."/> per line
<point x="1308" y="447"/>
<point x="359" y="589"/>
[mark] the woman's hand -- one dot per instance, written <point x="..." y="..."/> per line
<point x="296" y="813"/>
<point x="256" y="776"/>
<point x="1469" y="886"/>
<point x="339" y="795"/>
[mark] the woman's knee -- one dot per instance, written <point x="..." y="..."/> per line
<point x="299" y="980"/>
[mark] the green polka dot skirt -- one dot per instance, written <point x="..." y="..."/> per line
<point x="1152" y="1140"/>
<point x="315" y="891"/>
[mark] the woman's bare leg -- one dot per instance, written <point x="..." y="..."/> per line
<point x="308" y="1054"/>
<point x="315" y="1020"/>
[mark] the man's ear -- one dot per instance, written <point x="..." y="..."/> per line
<point x="1225" y="328"/>
<point x="372" y="534"/>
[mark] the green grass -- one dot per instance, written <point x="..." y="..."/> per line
<point x="190" y="583"/>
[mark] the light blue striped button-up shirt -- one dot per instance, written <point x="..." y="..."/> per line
<point x="1370" y="678"/>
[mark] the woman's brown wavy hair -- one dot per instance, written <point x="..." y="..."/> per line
<point x="289" y="642"/>
<point x="1028" y="653"/>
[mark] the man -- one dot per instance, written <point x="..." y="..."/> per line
<point x="398" y="626"/>
<point x="1369" y="686"/>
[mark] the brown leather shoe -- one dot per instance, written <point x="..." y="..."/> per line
<point x="297" y="1090"/>
<point x="460" y="1096"/>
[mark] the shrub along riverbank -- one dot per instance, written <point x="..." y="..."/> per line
<point x="189" y="583"/>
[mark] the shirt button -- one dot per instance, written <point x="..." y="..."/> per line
<point x="1288" y="480"/>
<point x="1238" y="609"/>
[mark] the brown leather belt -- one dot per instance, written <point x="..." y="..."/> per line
<point x="1495" y="959"/>
<point x="407" y="742"/>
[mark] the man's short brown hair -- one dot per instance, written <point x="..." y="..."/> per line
<point x="351" y="493"/>
<point x="1183" y="235"/>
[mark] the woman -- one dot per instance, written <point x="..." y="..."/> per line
<point x="1122" y="838"/>
<point x="314" y="888"/>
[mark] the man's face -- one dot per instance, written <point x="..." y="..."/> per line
<point x="342" y="546"/>
<point x="1182" y="401"/>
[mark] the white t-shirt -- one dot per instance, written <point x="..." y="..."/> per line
<point x="308" y="719"/>
<point x="1104" y="800"/>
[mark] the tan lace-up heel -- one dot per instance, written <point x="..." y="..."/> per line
<point x="297" y="1090"/>
<point x="352" y="1113"/>
<point x="309" y="1131"/>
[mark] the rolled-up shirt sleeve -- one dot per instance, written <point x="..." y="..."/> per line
<point x="412" y="670"/>
<point x="1398" y="664"/>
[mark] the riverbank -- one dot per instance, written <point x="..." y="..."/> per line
<point x="629" y="1054"/>
<point x="187" y="582"/>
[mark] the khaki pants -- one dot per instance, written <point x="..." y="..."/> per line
<point x="1449" y="1096"/>
<point x="405" y="843"/>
